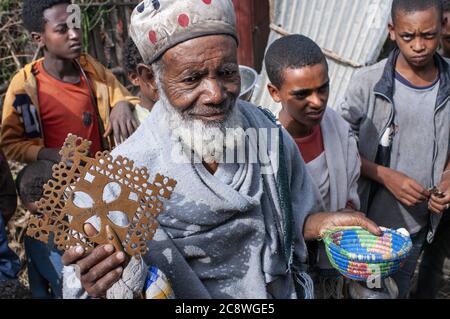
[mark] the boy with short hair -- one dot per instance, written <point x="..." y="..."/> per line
<point x="65" y="92"/>
<point x="431" y="271"/>
<point x="43" y="260"/>
<point x="298" y="72"/>
<point x="399" y="109"/>
<point x="148" y="95"/>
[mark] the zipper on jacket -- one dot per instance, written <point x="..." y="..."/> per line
<point x="434" y="127"/>
<point x="435" y="138"/>
<point x="391" y="116"/>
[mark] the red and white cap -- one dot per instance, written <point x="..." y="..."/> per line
<point x="158" y="25"/>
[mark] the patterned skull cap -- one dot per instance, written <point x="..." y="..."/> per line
<point x="158" y="25"/>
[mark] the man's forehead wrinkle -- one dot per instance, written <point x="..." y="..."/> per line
<point x="194" y="59"/>
<point x="413" y="29"/>
<point x="411" y="22"/>
<point x="199" y="61"/>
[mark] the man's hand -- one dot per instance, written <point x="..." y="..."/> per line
<point x="440" y="204"/>
<point x="316" y="224"/>
<point x="405" y="189"/>
<point x="121" y="122"/>
<point x="98" y="270"/>
<point x="49" y="154"/>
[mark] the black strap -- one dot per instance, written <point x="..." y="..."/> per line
<point x="106" y="145"/>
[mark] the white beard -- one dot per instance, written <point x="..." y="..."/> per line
<point x="209" y="141"/>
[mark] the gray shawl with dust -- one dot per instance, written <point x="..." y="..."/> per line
<point x="220" y="235"/>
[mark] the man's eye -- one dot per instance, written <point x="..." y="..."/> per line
<point x="301" y="96"/>
<point x="407" y="37"/>
<point x="430" y="36"/>
<point x="191" y="79"/>
<point x="324" y="89"/>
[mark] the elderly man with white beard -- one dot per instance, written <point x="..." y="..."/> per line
<point x="232" y="228"/>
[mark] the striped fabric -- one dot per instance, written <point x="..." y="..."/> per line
<point x="157" y="285"/>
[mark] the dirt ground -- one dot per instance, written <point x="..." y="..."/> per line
<point x="15" y="289"/>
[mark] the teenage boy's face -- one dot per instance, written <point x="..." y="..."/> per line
<point x="59" y="40"/>
<point x="445" y="38"/>
<point x="417" y="35"/>
<point x="304" y="93"/>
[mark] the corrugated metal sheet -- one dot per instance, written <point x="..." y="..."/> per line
<point x="354" y="30"/>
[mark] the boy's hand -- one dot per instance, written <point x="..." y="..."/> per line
<point x="440" y="204"/>
<point x="99" y="270"/>
<point x="121" y="122"/>
<point x="405" y="189"/>
<point x="316" y="224"/>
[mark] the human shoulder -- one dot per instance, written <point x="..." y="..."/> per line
<point x="332" y="114"/>
<point x="335" y="117"/>
<point x="17" y="82"/>
<point x="144" y="145"/>
<point x="93" y="67"/>
<point x="371" y="74"/>
<point x="259" y="117"/>
<point x="22" y="76"/>
<point x="141" y="113"/>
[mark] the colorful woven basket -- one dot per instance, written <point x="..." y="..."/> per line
<point x="358" y="254"/>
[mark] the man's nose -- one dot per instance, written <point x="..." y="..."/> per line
<point x="214" y="92"/>
<point x="74" y="34"/>
<point x="316" y="100"/>
<point x="418" y="45"/>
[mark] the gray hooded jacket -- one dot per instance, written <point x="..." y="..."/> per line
<point x="368" y="107"/>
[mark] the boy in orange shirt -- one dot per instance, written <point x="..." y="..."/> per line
<point x="65" y="92"/>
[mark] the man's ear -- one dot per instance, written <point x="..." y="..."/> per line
<point x="147" y="76"/>
<point x="37" y="38"/>
<point x="391" y="29"/>
<point x="274" y="92"/>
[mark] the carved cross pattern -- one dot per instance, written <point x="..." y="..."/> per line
<point x="101" y="191"/>
<point x="88" y="202"/>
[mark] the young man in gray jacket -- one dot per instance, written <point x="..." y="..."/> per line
<point x="298" y="72"/>
<point x="399" y="108"/>
<point x="431" y="273"/>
